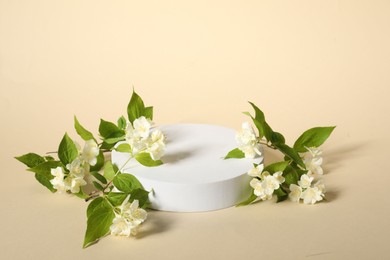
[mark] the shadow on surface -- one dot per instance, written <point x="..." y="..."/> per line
<point x="334" y="158"/>
<point x="176" y="157"/>
<point x="331" y="195"/>
<point x="154" y="225"/>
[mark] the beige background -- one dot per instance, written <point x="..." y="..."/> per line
<point x="305" y="63"/>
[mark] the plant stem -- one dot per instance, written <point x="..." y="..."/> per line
<point x="93" y="195"/>
<point x="268" y="145"/>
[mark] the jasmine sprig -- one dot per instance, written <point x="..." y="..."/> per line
<point x="284" y="179"/>
<point x="117" y="211"/>
<point x="109" y="205"/>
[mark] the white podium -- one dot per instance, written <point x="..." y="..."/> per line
<point x="194" y="176"/>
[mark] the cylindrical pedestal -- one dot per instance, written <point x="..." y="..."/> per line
<point x="194" y="176"/>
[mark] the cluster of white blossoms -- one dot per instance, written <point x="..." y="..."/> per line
<point x="306" y="190"/>
<point x="142" y="138"/>
<point x="128" y="219"/>
<point x="247" y="141"/>
<point x="313" y="160"/>
<point x="78" y="169"/>
<point x="264" y="184"/>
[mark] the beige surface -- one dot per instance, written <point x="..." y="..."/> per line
<point x="305" y="63"/>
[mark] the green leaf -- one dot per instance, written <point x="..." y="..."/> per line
<point x="81" y="194"/>
<point x="109" y="130"/>
<point x="248" y="201"/>
<point x="95" y="204"/>
<point x="122" y="123"/>
<point x="235" y="153"/>
<point x="280" y="194"/>
<point x="98" y="186"/>
<point x="141" y="195"/>
<point x="67" y="151"/>
<point x="259" y="115"/>
<point x="46" y="167"/>
<point x="313" y="137"/>
<point x="30" y="159"/>
<point x="276" y="167"/>
<point x="148" y="112"/>
<point x="49" y="158"/>
<point x="114" y="140"/>
<point x="135" y="108"/>
<point x="83" y="133"/>
<point x="290" y="153"/>
<point x="110" y="170"/>
<point x="300" y="172"/>
<point x="43" y="173"/>
<point x="99" y="162"/>
<point x="123" y="148"/>
<point x="146" y="160"/>
<point x="126" y="182"/>
<point x="106" y="146"/>
<point x="290" y="175"/>
<point x="277" y="138"/>
<point x="99" y="222"/>
<point x="116" y="198"/>
<point x="260" y="123"/>
<point x="99" y="177"/>
<point x="44" y="179"/>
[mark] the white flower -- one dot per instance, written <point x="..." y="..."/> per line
<point x="74" y="183"/>
<point x="121" y="227"/>
<point x="279" y="177"/>
<point x="157" y="150"/>
<point x="141" y="138"/>
<point x="312" y="195"/>
<point x="130" y="135"/>
<point x="313" y="151"/>
<point x="157" y="136"/>
<point x="313" y="160"/>
<point x="137" y="146"/>
<point x="90" y="152"/>
<point x="255" y="183"/>
<point x="256" y="171"/>
<point x="58" y="180"/>
<point x="258" y="189"/>
<point x="245" y="135"/>
<point x="305" y="181"/>
<point x="306" y="191"/>
<point x="134" y="213"/>
<point x="265" y="187"/>
<point x="130" y="217"/>
<point x="57" y="173"/>
<point x="295" y="192"/>
<point x="313" y="165"/>
<point x="155" y="144"/>
<point x="250" y="150"/>
<point x="320" y="186"/>
<point x="246" y="139"/>
<point x="270" y="184"/>
<point x="264" y="174"/>
<point x="76" y="168"/>
<point x="142" y="127"/>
